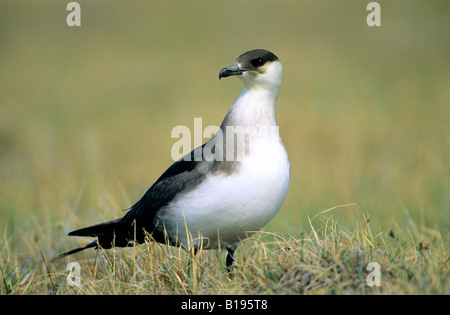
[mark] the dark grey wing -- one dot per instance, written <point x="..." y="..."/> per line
<point x="182" y="176"/>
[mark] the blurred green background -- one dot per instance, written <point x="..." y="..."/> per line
<point x="86" y="112"/>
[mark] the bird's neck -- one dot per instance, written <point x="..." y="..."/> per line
<point x="249" y="125"/>
<point x="254" y="107"/>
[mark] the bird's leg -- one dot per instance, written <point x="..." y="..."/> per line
<point x="230" y="257"/>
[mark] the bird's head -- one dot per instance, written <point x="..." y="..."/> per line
<point x="258" y="69"/>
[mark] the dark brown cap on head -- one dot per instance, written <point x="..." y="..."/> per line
<point x="253" y="60"/>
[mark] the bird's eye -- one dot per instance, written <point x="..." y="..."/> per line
<point x="257" y="62"/>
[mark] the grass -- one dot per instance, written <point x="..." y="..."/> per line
<point x="326" y="258"/>
<point x="86" y="116"/>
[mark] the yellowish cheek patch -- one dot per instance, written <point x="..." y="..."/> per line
<point x="263" y="69"/>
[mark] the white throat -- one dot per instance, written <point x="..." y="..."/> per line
<point x="255" y="106"/>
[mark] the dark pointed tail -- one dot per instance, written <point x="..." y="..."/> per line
<point x="76" y="250"/>
<point x="105" y="233"/>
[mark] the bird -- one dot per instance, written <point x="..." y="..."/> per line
<point x="222" y="191"/>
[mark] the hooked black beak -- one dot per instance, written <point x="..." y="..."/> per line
<point x="231" y="70"/>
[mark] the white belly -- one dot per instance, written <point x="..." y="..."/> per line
<point x="223" y="208"/>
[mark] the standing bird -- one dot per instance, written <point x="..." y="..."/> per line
<point x="231" y="185"/>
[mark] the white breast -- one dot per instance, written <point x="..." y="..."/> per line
<point x="224" y="207"/>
